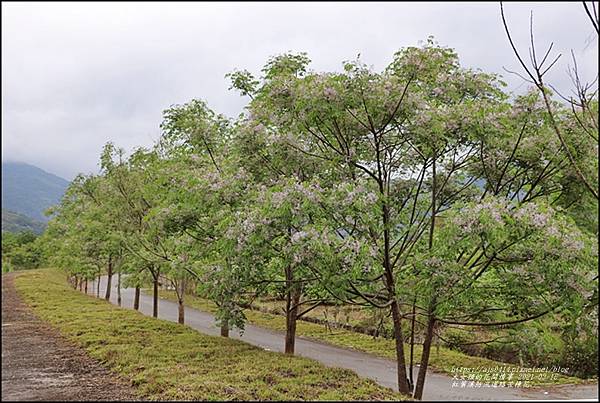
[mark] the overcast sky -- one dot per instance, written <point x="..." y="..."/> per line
<point x="75" y="76"/>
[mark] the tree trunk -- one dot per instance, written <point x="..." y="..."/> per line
<point x="418" y="392"/>
<point x="225" y="330"/>
<point x="86" y="285"/>
<point x="180" y="294"/>
<point x="411" y="381"/>
<point x="109" y="281"/>
<point x="391" y="288"/>
<point x="291" y="319"/>
<point x="155" y="298"/>
<point x="98" y="286"/>
<point x="136" y="298"/>
<point x="119" y="288"/>
<point x="181" y="317"/>
<point x="424" y="358"/>
<point x="401" y="364"/>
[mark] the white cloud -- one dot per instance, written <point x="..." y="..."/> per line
<point x="76" y="75"/>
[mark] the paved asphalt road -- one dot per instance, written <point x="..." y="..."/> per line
<point x="437" y="386"/>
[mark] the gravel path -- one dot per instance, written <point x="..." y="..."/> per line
<point x="39" y="364"/>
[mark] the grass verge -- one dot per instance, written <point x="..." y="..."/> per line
<point x="442" y="359"/>
<point x="167" y="361"/>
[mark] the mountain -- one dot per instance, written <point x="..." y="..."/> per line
<point x="29" y="190"/>
<point x="15" y="222"/>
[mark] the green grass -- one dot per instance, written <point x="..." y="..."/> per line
<point x="442" y="359"/>
<point x="347" y="314"/>
<point x="168" y="361"/>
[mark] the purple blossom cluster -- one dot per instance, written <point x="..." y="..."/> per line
<point x="470" y="218"/>
<point x="298" y="236"/>
<point x="349" y="194"/>
<point x="330" y="93"/>
<point x="295" y="193"/>
<point x="258" y="128"/>
<point x="572" y="242"/>
<point x="531" y="214"/>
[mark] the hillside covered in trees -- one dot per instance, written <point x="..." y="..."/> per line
<point x="15" y="222"/>
<point x="29" y="191"/>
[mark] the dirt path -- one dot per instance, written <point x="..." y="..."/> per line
<point x="437" y="386"/>
<point x="39" y="364"/>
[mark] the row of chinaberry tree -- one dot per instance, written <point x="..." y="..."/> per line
<point x="423" y="189"/>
